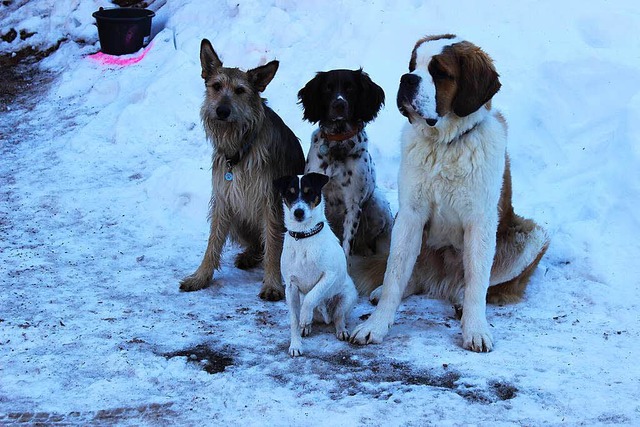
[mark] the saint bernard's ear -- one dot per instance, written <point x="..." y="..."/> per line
<point x="477" y="82"/>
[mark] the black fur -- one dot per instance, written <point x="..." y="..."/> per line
<point x="363" y="97"/>
<point x="307" y="188"/>
<point x="342" y="102"/>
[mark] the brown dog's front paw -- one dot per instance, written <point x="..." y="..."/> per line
<point x="271" y="292"/>
<point x="247" y="260"/>
<point x="194" y="283"/>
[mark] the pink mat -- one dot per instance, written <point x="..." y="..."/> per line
<point x="121" y="60"/>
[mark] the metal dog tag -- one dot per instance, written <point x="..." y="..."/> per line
<point x="228" y="176"/>
<point x="324" y="149"/>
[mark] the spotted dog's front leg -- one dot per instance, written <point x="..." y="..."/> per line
<point x="352" y="216"/>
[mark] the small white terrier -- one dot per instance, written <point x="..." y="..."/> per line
<point x="314" y="266"/>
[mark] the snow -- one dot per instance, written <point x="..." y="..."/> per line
<point x="104" y="188"/>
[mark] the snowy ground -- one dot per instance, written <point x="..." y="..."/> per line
<point x="104" y="184"/>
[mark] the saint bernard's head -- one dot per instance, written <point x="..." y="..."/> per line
<point x="448" y="79"/>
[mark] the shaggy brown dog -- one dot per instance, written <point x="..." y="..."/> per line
<point x="251" y="148"/>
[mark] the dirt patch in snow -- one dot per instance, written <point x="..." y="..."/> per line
<point x="21" y="79"/>
<point x="211" y="361"/>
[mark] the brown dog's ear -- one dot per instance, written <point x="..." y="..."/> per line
<point x="208" y="59"/>
<point x="311" y="99"/>
<point x="477" y="83"/>
<point x="370" y="98"/>
<point x="260" y="77"/>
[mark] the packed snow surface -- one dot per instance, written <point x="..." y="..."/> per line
<point x="104" y="190"/>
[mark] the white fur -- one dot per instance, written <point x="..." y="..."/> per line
<point x="425" y="100"/>
<point x="453" y="180"/>
<point x="315" y="275"/>
<point x="352" y="184"/>
<point x="427" y="50"/>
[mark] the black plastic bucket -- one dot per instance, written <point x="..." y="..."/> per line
<point x="123" y="30"/>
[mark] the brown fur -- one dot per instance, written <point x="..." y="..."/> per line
<point x="246" y="209"/>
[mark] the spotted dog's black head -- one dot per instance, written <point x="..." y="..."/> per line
<point x="302" y="195"/>
<point x="340" y="100"/>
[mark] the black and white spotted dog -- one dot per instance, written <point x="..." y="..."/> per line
<point x="342" y="102"/>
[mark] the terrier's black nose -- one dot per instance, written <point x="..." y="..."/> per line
<point x="298" y="214"/>
<point x="223" y="112"/>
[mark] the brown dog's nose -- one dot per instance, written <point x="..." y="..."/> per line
<point x="223" y="112"/>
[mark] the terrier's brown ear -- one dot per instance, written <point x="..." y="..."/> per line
<point x="208" y="59"/>
<point x="260" y="77"/>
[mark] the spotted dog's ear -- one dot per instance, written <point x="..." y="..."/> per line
<point x="310" y="96"/>
<point x="283" y="183"/>
<point x="314" y="180"/>
<point x="209" y="59"/>
<point x="477" y="83"/>
<point x="370" y="99"/>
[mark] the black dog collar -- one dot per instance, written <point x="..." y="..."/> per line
<point x="472" y="128"/>
<point x="304" y="234"/>
<point x="235" y="159"/>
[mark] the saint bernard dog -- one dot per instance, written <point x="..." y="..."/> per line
<point x="456" y="235"/>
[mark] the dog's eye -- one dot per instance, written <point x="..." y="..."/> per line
<point x="439" y="73"/>
<point x="292" y="190"/>
<point x="305" y="190"/>
<point x="348" y="87"/>
<point x="239" y="90"/>
<point x="328" y="88"/>
<point x="216" y="86"/>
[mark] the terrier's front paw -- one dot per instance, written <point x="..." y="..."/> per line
<point x="306" y="319"/>
<point x="194" y="283"/>
<point x="343" y="335"/>
<point x="305" y="329"/>
<point x="295" y="350"/>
